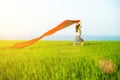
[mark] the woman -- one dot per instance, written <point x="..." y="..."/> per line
<point x="78" y="38"/>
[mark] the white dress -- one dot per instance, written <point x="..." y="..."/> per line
<point x="78" y="39"/>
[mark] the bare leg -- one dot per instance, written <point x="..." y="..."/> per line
<point x="82" y="43"/>
<point x="74" y="44"/>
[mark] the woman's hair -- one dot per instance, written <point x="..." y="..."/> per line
<point x="77" y="27"/>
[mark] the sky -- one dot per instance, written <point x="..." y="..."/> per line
<point x="31" y="18"/>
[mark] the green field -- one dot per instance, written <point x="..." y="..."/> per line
<point x="59" y="60"/>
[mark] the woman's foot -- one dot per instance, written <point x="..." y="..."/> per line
<point x="74" y="44"/>
<point x="82" y="43"/>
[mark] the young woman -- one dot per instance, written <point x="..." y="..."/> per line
<point x="78" y="38"/>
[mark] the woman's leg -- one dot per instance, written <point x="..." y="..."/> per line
<point x="82" y="41"/>
<point x="75" y="40"/>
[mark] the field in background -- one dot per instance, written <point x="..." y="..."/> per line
<point x="59" y="60"/>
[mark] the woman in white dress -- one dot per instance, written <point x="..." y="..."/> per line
<point x="78" y="38"/>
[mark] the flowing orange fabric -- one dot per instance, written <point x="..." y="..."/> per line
<point x="64" y="24"/>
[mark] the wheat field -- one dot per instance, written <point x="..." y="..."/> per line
<point x="60" y="60"/>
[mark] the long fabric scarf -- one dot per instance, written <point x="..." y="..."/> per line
<point x="61" y="26"/>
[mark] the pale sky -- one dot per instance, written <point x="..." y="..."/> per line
<point x="34" y="17"/>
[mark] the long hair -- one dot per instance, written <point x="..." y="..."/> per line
<point x="77" y="27"/>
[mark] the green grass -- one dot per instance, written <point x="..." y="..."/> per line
<point x="59" y="60"/>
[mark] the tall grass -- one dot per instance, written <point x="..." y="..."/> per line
<point x="59" y="60"/>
